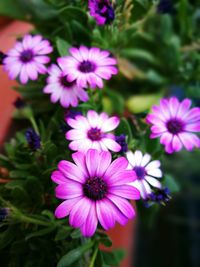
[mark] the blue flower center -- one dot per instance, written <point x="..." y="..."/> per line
<point x="94" y="134"/>
<point x="175" y="126"/>
<point x="95" y="188"/>
<point x="106" y="11"/>
<point x="140" y="172"/>
<point x="64" y="82"/>
<point x="87" y="66"/>
<point x="26" y="56"/>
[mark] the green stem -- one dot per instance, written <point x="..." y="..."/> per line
<point x="33" y="122"/>
<point x="94" y="257"/>
<point x="33" y="221"/>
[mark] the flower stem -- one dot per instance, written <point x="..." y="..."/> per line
<point x="94" y="257"/>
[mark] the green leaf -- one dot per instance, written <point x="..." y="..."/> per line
<point x="106" y="241"/>
<point x="62" y="46"/>
<point x="171" y="183"/>
<point x="113" y="258"/>
<point x="70" y="13"/>
<point x="117" y="101"/>
<point x="11" y="8"/>
<point x="139" y="54"/>
<point x="62" y="234"/>
<point x="40" y="232"/>
<point x="76" y="234"/>
<point x="124" y="128"/>
<point x="74" y="255"/>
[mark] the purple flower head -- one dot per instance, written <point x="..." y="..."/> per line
<point x="94" y="189"/>
<point x="28" y="58"/>
<point x="68" y="93"/>
<point x="19" y="103"/>
<point x="160" y="196"/>
<point x="147" y="172"/>
<point x="165" y="7"/>
<point x="92" y="132"/>
<point x="2" y="57"/>
<point x="33" y="139"/>
<point x="121" y="140"/>
<point x="72" y="114"/>
<point x="102" y="11"/>
<point x="175" y="123"/>
<point x="88" y="66"/>
<point x="4" y="213"/>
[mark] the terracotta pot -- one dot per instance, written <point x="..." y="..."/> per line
<point x="122" y="237"/>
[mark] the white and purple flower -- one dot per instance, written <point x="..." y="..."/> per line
<point x="88" y="66"/>
<point x="146" y="171"/>
<point x="28" y="58"/>
<point x="175" y="123"/>
<point x="102" y="11"/>
<point x="94" y="189"/>
<point x="92" y="132"/>
<point x="68" y="93"/>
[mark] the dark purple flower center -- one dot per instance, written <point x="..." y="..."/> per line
<point x="94" y="134"/>
<point x="140" y="172"/>
<point x="95" y="188"/>
<point x="87" y="66"/>
<point x="26" y="56"/>
<point x="175" y="126"/>
<point x="64" y="82"/>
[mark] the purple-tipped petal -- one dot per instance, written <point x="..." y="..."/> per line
<point x="71" y="171"/>
<point x="105" y="214"/>
<point x="126" y="191"/>
<point x="69" y="190"/>
<point x="90" y="225"/>
<point x="65" y="207"/>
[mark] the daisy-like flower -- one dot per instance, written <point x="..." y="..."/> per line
<point x="68" y="93"/>
<point x="94" y="189"/>
<point x="92" y="132"/>
<point x="175" y="123"/>
<point x="102" y="11"/>
<point x="147" y="172"/>
<point x="28" y="58"/>
<point x="88" y="66"/>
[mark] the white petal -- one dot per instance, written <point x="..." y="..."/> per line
<point x="155" y="172"/>
<point x="131" y="158"/>
<point x="154" y="182"/>
<point x="153" y="165"/>
<point x="138" y="157"/>
<point x="145" y="160"/>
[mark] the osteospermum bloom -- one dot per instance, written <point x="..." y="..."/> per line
<point x="28" y="58"/>
<point x="68" y="93"/>
<point x="146" y="171"/>
<point x="102" y="11"/>
<point x="94" y="189"/>
<point x="175" y="123"/>
<point x="88" y="66"/>
<point x="92" y="132"/>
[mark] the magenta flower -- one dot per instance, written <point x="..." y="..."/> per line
<point x="102" y="11"/>
<point x="146" y="172"/>
<point x="68" y="93"/>
<point x="94" y="189"/>
<point x="27" y="58"/>
<point x="92" y="132"/>
<point x="88" y="66"/>
<point x="174" y="123"/>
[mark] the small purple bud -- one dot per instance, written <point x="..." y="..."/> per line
<point x="33" y="139"/>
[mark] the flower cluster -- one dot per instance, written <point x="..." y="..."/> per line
<point x="102" y="11"/>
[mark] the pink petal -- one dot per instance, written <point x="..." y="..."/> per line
<point x="111" y="144"/>
<point x="71" y="171"/>
<point x="65" y="207"/>
<point x="173" y="106"/>
<point x="193" y="127"/>
<point x="104" y="161"/>
<point x="121" y="178"/>
<point x="79" y="159"/>
<point x="79" y="212"/>
<point x="76" y="54"/>
<point x="89" y="227"/>
<point x="166" y="138"/>
<point x="84" y="52"/>
<point x="105" y="214"/>
<point x="118" y="165"/>
<point x="75" y="135"/>
<point x="193" y="115"/>
<point x="183" y="107"/>
<point x="23" y="75"/>
<point x="93" y="118"/>
<point x="92" y="157"/>
<point x="164" y="106"/>
<point x="189" y="140"/>
<point x="110" y="124"/>
<point x="126" y="191"/>
<point x="176" y="143"/>
<point x="70" y="189"/>
<point x="58" y="177"/>
<point x="123" y="205"/>
<point x="31" y="71"/>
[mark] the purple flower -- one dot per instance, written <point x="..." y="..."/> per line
<point x="121" y="140"/>
<point x="94" y="189"/>
<point x="102" y="11"/>
<point x="91" y="132"/>
<point x="19" y="103"/>
<point x="147" y="172"/>
<point x="33" y="139"/>
<point x="160" y="196"/>
<point x="88" y="66"/>
<point x="165" y="7"/>
<point x="68" y="93"/>
<point x="27" y="58"/>
<point x="174" y="122"/>
<point x="2" y="57"/>
<point x="4" y="213"/>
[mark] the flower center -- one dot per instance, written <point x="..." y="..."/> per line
<point x="175" y="126"/>
<point x="95" y="188"/>
<point x="94" y="134"/>
<point x="64" y="82"/>
<point x="140" y="172"/>
<point x="87" y="66"/>
<point x="26" y="56"/>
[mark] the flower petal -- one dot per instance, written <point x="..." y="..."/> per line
<point x="126" y="191"/>
<point x="71" y="171"/>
